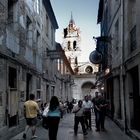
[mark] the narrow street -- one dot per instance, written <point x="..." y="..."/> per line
<point x="71" y="50"/>
<point x="66" y="132"/>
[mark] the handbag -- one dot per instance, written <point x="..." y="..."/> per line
<point x="45" y="121"/>
<point x="45" y="112"/>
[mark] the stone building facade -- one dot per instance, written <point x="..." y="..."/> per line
<point x="27" y="34"/>
<point x="119" y="22"/>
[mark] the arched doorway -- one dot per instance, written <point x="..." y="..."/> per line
<point x="88" y="88"/>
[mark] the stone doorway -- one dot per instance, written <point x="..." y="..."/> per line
<point x="87" y="89"/>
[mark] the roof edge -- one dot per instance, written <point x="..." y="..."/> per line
<point x="50" y="12"/>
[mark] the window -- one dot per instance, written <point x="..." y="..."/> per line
<point x="38" y="38"/>
<point x="47" y="93"/>
<point x="12" y="77"/>
<point x="38" y="83"/>
<point x="34" y="57"/>
<point x="11" y="11"/>
<point x="38" y="87"/>
<point x="133" y="42"/>
<point x="23" y="75"/>
<point x="65" y="32"/>
<point x="69" y="46"/>
<point x="38" y="95"/>
<point x="29" y="31"/>
<point x="52" y="90"/>
<point x="74" y="45"/>
<point x="47" y="25"/>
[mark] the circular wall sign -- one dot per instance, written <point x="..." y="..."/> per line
<point x="95" y="57"/>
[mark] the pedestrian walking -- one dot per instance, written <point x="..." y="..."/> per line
<point x="53" y="115"/>
<point x="61" y="105"/>
<point x="79" y="117"/>
<point x="100" y="107"/>
<point x="96" y="109"/>
<point x="103" y="105"/>
<point x="31" y="109"/>
<point x="70" y="107"/>
<point x="87" y="104"/>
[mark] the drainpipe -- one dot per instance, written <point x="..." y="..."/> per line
<point x="122" y="64"/>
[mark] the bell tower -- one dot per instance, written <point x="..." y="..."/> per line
<point x="71" y="44"/>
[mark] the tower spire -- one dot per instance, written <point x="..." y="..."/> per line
<point x="71" y="16"/>
<point x="71" y="20"/>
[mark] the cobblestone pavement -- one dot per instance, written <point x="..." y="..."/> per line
<point x="66" y="131"/>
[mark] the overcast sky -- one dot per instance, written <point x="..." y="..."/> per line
<point x="85" y="16"/>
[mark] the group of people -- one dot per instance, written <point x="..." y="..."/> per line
<point x="65" y="107"/>
<point x="31" y="111"/>
<point x="82" y="113"/>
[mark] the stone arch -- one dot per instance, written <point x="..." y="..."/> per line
<point x="87" y="88"/>
<point x="82" y="84"/>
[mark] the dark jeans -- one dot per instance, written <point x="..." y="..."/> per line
<point x="97" y="119"/>
<point x="88" y="119"/>
<point x="100" y="119"/>
<point x="53" y="127"/>
<point x="76" y="123"/>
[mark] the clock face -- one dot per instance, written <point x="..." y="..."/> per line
<point x="89" y="69"/>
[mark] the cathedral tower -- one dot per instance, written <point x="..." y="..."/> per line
<point x="71" y="44"/>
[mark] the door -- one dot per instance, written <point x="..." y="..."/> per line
<point x="28" y="85"/>
<point x="136" y="97"/>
